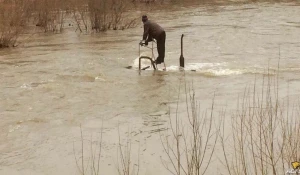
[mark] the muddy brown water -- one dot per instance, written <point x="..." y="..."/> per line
<point x="51" y="84"/>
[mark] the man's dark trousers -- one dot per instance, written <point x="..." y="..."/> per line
<point x="161" y="47"/>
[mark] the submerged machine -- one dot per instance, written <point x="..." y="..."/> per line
<point x="152" y="58"/>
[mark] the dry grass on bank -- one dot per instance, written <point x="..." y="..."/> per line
<point x="265" y="132"/>
<point x="90" y="159"/>
<point x="260" y="137"/>
<point x="192" y="140"/>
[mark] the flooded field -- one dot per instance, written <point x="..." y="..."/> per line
<point x="54" y="83"/>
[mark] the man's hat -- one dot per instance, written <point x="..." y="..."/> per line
<point x="144" y="18"/>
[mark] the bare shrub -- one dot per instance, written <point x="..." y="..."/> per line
<point x="98" y="10"/>
<point x="102" y="15"/>
<point x="193" y="139"/>
<point x="125" y="164"/>
<point x="265" y="132"/>
<point x="80" y="12"/>
<point x="13" y="20"/>
<point x="91" y="164"/>
<point x="118" y="8"/>
<point x="50" y="14"/>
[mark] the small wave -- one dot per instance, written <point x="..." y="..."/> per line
<point x="76" y="78"/>
<point x="99" y="78"/>
<point x="207" y="69"/>
<point x="26" y="86"/>
<point x="13" y="128"/>
<point x="199" y="66"/>
<point x="213" y="69"/>
<point x="34" y="85"/>
<point x="290" y="69"/>
<point x="222" y="72"/>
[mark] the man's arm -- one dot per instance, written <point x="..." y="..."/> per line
<point x="146" y="31"/>
<point x="149" y="39"/>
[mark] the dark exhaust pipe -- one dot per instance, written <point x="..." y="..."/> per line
<point x="181" y="59"/>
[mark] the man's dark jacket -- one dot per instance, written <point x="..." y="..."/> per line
<point x="153" y="30"/>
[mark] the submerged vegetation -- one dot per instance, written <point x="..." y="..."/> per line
<point x="55" y="15"/>
<point x="83" y="15"/>
<point x="13" y="20"/>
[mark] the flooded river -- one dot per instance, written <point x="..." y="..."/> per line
<point x="53" y="83"/>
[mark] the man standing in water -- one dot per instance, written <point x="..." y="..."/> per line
<point x="153" y="30"/>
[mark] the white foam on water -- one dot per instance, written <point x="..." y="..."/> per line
<point x="210" y="69"/>
<point x="172" y="68"/>
<point x="214" y="69"/>
<point x="199" y="66"/>
<point x="222" y="72"/>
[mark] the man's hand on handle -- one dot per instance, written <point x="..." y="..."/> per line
<point x="144" y="43"/>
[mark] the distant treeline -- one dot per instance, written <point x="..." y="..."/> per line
<point x="54" y="15"/>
